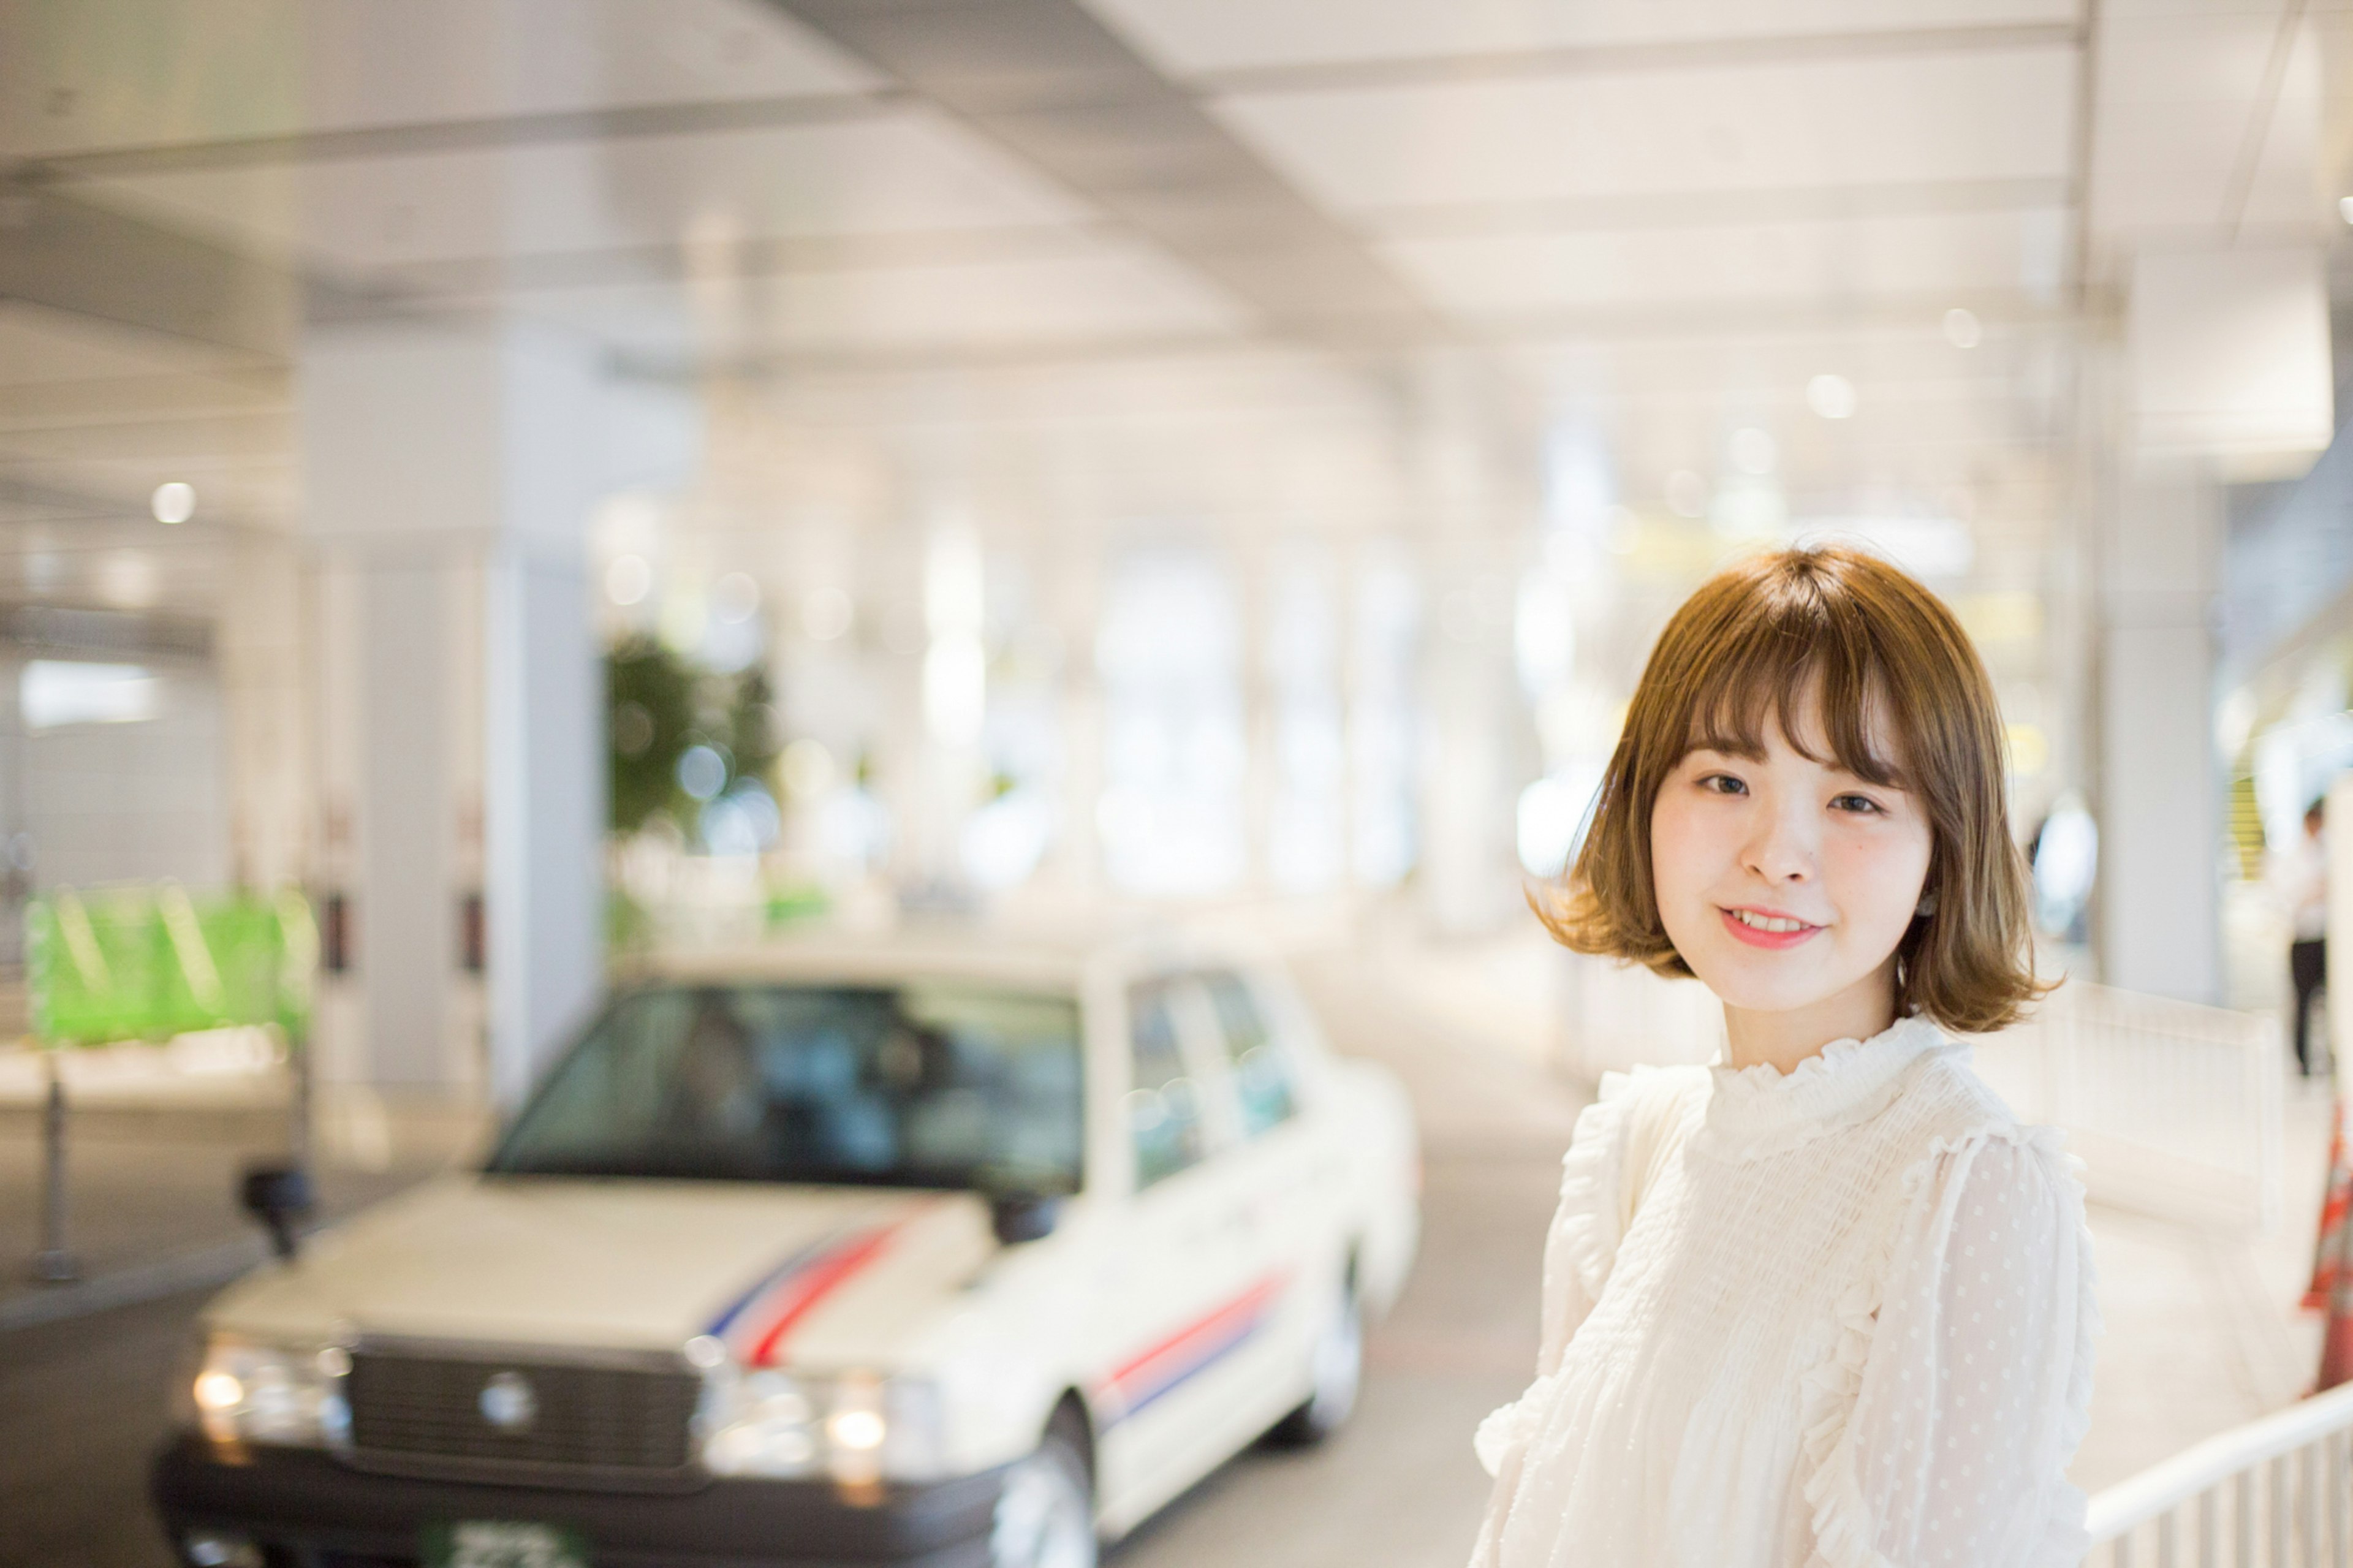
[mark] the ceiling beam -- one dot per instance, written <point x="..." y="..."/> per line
<point x="1711" y="210"/>
<point x="88" y="261"/>
<point x="484" y="135"/>
<point x="1047" y="82"/>
<point x="1613" y="59"/>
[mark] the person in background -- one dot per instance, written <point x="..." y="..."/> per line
<point x="2302" y="878"/>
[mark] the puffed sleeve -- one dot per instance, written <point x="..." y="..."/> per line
<point x="1978" y="1386"/>
<point x="1579" y="1249"/>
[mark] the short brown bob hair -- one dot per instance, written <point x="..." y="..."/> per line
<point x="1906" y="703"/>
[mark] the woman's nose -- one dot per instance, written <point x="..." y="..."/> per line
<point x="1781" y="850"/>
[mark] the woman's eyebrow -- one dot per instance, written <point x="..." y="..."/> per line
<point x="1890" y="776"/>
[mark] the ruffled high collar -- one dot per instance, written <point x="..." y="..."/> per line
<point x="1760" y="1110"/>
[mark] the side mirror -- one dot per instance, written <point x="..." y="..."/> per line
<point x="1017" y="1218"/>
<point x="276" y="1196"/>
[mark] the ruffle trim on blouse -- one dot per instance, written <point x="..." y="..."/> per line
<point x="2065" y="1544"/>
<point x="1756" y="1112"/>
<point x="1585" y="1235"/>
<point x="1844" y="1531"/>
<point x="1591" y="1180"/>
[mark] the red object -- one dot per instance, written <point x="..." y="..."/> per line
<point x="2337" y="1338"/>
<point x="2336" y="1341"/>
<point x="2328" y="1247"/>
<point x="822" y="1278"/>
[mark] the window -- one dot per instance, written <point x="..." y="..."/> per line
<point x="1163" y="1107"/>
<point x="1262" y="1076"/>
<point x="920" y="1084"/>
<point x="1173" y="814"/>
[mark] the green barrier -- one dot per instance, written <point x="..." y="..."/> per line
<point x="146" y="963"/>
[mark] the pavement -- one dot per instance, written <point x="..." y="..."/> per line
<point x="156" y="1138"/>
<point x="2203" y="1332"/>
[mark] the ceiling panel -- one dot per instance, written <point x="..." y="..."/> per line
<point x="2171" y="59"/>
<point x="255" y="486"/>
<point x="1928" y="413"/>
<point x="1200" y="35"/>
<point x="1955" y="255"/>
<point x="909" y="171"/>
<point x="42" y="345"/>
<point x="2178" y="96"/>
<point x="76" y="78"/>
<point x="2004" y="114"/>
<point x="1120" y="292"/>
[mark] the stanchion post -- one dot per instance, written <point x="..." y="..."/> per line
<point x="299" y="1134"/>
<point x="54" y="1264"/>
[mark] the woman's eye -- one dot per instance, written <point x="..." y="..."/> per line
<point x="1860" y="803"/>
<point x="1723" y="783"/>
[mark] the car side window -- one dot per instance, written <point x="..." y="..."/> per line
<point x="1261" y="1074"/>
<point x="1163" y="1103"/>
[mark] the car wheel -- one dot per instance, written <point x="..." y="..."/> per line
<point x="1335" y="1370"/>
<point x="1045" y="1516"/>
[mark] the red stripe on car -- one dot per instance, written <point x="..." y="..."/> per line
<point x="1246" y="1305"/>
<point x="810" y="1287"/>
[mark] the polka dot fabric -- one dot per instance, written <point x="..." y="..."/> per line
<point x="1848" y="1326"/>
<point x="1962" y="1427"/>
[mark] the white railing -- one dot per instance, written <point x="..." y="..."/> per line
<point x="2274" y="1493"/>
<point x="2174" y="1108"/>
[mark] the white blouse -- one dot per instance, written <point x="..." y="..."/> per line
<point x="1848" y="1326"/>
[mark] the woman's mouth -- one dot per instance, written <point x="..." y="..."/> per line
<point x="1766" y="928"/>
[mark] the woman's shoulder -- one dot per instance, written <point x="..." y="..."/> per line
<point x="1953" y="1124"/>
<point x="1639" y="1106"/>
<point x="1624" y="1094"/>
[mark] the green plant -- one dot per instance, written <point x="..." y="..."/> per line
<point x="649" y="712"/>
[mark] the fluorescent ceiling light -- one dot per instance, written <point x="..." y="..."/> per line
<point x="55" y="692"/>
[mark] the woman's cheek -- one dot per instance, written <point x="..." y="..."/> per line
<point x="1884" y="871"/>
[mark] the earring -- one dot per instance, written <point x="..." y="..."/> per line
<point x="1927" y="905"/>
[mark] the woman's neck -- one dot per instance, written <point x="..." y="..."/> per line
<point x="1781" y="1038"/>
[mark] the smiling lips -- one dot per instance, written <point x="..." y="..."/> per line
<point x="1765" y="928"/>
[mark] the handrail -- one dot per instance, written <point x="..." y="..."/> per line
<point x="2273" y="1491"/>
<point x="2169" y="1483"/>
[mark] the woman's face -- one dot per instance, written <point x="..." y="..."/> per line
<point x="1786" y="883"/>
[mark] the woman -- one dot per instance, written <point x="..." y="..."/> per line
<point x="1825" y="1302"/>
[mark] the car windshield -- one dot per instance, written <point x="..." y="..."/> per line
<point x="910" y="1084"/>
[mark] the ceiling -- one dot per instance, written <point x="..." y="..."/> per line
<point x="1661" y="217"/>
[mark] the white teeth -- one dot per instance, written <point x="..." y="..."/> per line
<point x="1766" y="922"/>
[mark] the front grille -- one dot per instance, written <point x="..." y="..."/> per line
<point x="424" y="1409"/>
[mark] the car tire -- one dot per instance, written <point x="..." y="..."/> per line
<point x="1045" y="1516"/>
<point x="1336" y="1371"/>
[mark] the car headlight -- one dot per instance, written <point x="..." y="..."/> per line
<point x="245" y="1392"/>
<point x="855" y="1428"/>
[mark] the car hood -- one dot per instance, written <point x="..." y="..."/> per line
<point x="815" y="1276"/>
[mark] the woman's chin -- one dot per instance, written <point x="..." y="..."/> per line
<point x="1766" y="982"/>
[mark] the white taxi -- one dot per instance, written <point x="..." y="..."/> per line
<point x="968" y="1255"/>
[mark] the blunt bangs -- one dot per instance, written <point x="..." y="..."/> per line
<point x="1821" y="685"/>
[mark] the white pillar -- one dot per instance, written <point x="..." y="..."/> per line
<point x="449" y="475"/>
<point x="2159" y="808"/>
<point x="1470" y="766"/>
<point x="258" y="649"/>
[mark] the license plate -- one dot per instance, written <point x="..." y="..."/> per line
<point x="502" y="1543"/>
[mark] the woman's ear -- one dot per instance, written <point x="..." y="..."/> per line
<point x="1927" y="906"/>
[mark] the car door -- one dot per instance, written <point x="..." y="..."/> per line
<point x="1277" y="1180"/>
<point x="1182" y="1301"/>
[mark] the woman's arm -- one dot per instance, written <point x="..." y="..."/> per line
<point x="1978" y="1386"/>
